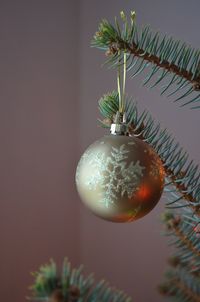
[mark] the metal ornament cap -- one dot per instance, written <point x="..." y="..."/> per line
<point x="120" y="178"/>
<point x="118" y="129"/>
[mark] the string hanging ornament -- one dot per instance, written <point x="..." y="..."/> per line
<point x="119" y="177"/>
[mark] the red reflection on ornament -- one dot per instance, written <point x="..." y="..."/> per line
<point x="144" y="192"/>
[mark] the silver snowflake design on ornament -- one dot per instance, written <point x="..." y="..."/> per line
<point x="113" y="174"/>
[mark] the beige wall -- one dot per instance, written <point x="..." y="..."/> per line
<point x="39" y="216"/>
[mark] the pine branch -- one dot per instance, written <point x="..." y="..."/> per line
<point x="71" y="286"/>
<point x="182" y="231"/>
<point x="167" y="58"/>
<point x="181" y="285"/>
<point x="182" y="174"/>
<point x="182" y="280"/>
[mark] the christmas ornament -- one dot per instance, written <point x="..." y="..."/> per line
<point x="120" y="178"/>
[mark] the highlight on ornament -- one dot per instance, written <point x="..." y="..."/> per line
<point x="70" y="285"/>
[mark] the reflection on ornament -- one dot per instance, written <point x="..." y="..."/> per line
<point x="144" y="191"/>
<point x="120" y="178"/>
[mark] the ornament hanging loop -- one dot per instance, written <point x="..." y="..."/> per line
<point x="119" y="127"/>
<point x="121" y="90"/>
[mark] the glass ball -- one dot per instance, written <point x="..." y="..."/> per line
<point x="120" y="178"/>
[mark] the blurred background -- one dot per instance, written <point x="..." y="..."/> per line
<point x="50" y="82"/>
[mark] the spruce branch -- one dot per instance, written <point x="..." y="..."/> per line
<point x="71" y="286"/>
<point x="184" y="238"/>
<point x="167" y="58"/>
<point x="181" y="285"/>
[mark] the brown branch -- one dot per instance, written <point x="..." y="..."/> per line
<point x="166" y="289"/>
<point x="133" y="49"/>
<point x="172" y="223"/>
<point x="186" y="241"/>
<point x="187" y="291"/>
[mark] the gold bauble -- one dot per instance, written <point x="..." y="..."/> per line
<point x="120" y="178"/>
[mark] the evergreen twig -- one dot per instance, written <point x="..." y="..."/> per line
<point x="71" y="286"/>
<point x="169" y="59"/>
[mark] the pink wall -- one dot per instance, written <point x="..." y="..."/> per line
<point x="39" y="215"/>
<point x="132" y="256"/>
